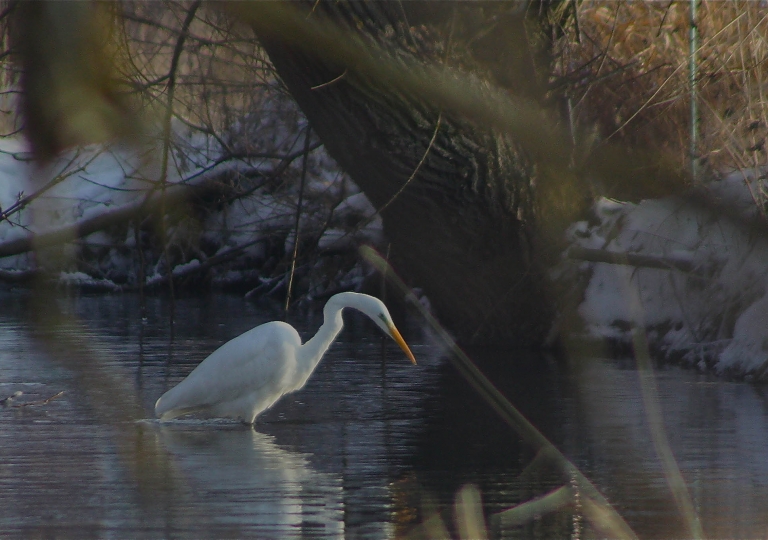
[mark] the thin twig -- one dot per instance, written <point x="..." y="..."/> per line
<point x="329" y="83"/>
<point x="41" y="402"/>
<point x="298" y="218"/>
<point x="416" y="170"/>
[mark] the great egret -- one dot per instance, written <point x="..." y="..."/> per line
<point x="248" y="374"/>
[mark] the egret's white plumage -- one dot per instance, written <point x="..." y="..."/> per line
<point x="248" y="374"/>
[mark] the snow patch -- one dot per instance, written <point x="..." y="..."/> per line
<point x="83" y="280"/>
<point x="715" y="314"/>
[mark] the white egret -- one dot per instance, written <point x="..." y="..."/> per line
<point x="248" y="374"/>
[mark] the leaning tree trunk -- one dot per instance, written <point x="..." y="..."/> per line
<point x="461" y="227"/>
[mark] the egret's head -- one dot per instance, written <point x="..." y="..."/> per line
<point x="376" y="310"/>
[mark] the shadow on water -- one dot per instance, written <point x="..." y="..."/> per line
<point x="465" y="442"/>
<point x="463" y="433"/>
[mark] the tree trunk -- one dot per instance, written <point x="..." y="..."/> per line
<point x="462" y="226"/>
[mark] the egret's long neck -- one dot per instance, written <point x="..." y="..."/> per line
<point x="314" y="349"/>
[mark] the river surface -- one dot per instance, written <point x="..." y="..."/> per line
<point x="370" y="448"/>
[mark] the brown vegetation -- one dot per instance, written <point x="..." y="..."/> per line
<point x="626" y="67"/>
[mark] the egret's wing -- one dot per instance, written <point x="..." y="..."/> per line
<point x="257" y="361"/>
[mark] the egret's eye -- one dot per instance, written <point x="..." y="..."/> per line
<point x="383" y="318"/>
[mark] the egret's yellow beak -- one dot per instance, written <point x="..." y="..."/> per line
<point x="400" y="341"/>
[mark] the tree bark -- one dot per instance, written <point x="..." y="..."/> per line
<point x="457" y="200"/>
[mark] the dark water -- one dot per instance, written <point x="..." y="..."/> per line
<point x="371" y="447"/>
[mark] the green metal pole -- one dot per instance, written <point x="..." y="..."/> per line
<point x="693" y="76"/>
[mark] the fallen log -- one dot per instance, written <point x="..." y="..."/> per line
<point x="669" y="262"/>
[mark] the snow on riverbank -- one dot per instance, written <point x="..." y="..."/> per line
<point x="231" y="207"/>
<point x="708" y="306"/>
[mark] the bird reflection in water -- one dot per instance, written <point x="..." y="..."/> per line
<point x="245" y="480"/>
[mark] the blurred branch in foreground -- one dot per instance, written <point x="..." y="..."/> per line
<point x="71" y="92"/>
<point x="611" y="522"/>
